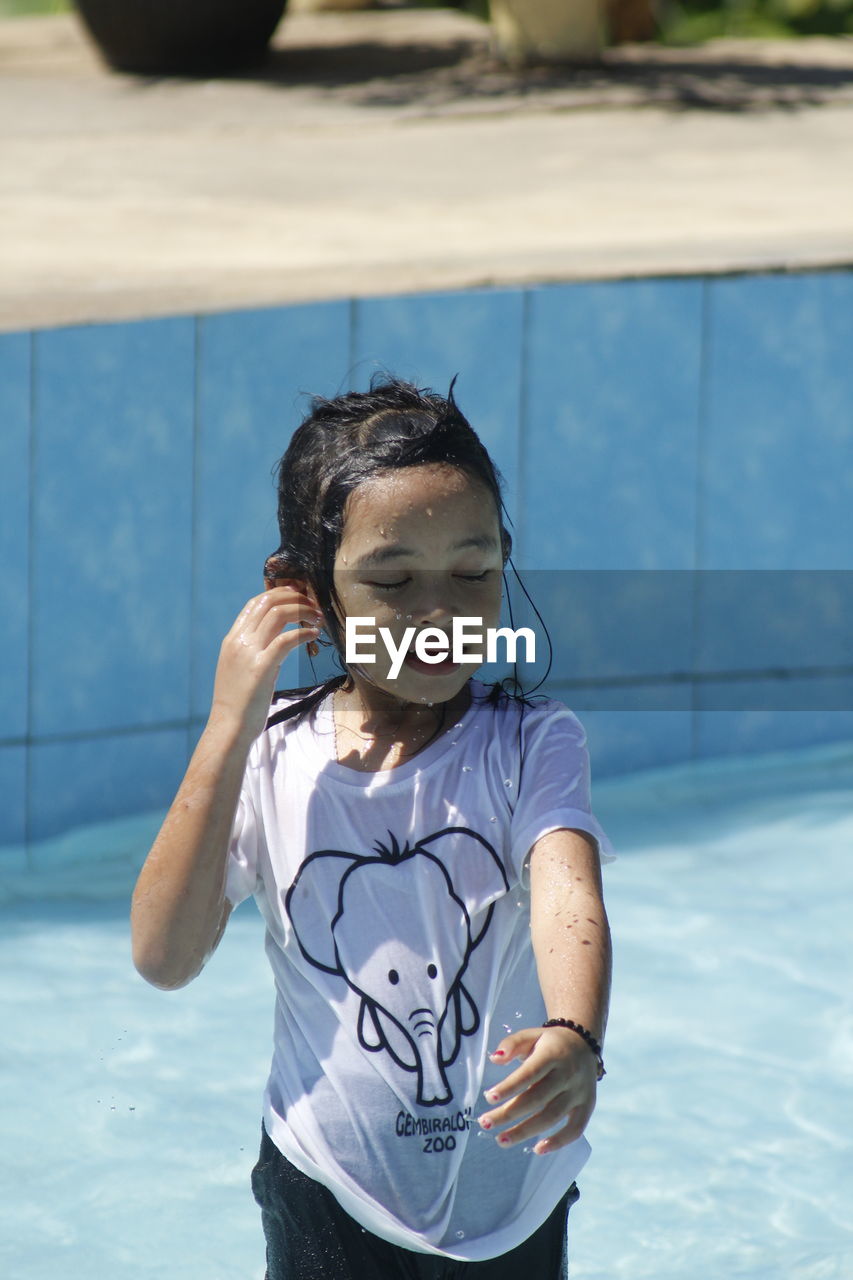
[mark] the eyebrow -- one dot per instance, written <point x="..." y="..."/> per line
<point x="480" y="542"/>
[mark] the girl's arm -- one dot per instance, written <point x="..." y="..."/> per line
<point x="179" y="910"/>
<point x="571" y="942"/>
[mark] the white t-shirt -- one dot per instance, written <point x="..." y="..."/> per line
<point x="397" y="914"/>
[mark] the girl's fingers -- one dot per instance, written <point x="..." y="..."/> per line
<point x="519" y="1044"/>
<point x="267" y="615"/>
<point x="282" y="644"/>
<point x="566" y="1105"/>
<point x="274" y="621"/>
<point x="241" y="622"/>
<point x="247" y="619"/>
<point x="258" y="642"/>
<point x="527" y="1102"/>
<point x="548" y="1086"/>
<point x="533" y="1067"/>
<point x="578" y="1118"/>
<point x="253" y="651"/>
<point x="569" y="1133"/>
<point x="541" y="1053"/>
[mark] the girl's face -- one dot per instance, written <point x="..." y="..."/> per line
<point x="420" y="547"/>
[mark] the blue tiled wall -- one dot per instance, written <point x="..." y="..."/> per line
<point x="478" y="335"/>
<point x="112" y="527"/>
<point x="256" y="371"/>
<point x="645" y="429"/>
<point x="610" y="439"/>
<point x="15" y="384"/>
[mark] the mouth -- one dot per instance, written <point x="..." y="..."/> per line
<point x="446" y="667"/>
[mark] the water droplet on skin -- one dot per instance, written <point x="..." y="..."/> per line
<point x="507" y="782"/>
<point x="408" y="617"/>
<point x="518" y="1013"/>
<point x="467" y="768"/>
<point x="460" y="1235"/>
<point x="507" y="1028"/>
<point x="493" y="819"/>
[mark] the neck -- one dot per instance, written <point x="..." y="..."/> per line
<point x="376" y="713"/>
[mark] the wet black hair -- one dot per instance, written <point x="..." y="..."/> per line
<point x="338" y="446"/>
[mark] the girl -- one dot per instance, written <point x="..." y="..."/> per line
<point x="423" y="853"/>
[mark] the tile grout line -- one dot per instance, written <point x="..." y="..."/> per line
<point x="194" y="515"/>
<point x="699" y="491"/>
<point x="521" y="430"/>
<point x="31" y="524"/>
<point x="95" y="735"/>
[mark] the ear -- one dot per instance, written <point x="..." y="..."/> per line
<point x="472" y="865"/>
<point x="313" y="902"/>
<point x="277" y="573"/>
<point x="276" y="568"/>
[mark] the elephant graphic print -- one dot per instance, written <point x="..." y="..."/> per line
<point x="436" y="900"/>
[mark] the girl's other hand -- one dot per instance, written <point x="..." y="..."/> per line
<point x="253" y="651"/>
<point x="556" y="1081"/>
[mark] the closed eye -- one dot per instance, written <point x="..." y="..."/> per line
<point x="464" y="577"/>
<point x="388" y="586"/>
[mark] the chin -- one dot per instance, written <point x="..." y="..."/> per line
<point x="412" y="686"/>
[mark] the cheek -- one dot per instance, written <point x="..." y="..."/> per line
<point x="384" y="612"/>
<point x="352" y="601"/>
<point x="491" y="607"/>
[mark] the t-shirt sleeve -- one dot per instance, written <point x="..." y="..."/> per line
<point x="554" y="790"/>
<point x="242" y="874"/>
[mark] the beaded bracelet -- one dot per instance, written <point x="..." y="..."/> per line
<point x="585" y="1035"/>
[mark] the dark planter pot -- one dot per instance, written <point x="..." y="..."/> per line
<point x="181" y="37"/>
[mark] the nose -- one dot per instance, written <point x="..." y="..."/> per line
<point x="432" y="608"/>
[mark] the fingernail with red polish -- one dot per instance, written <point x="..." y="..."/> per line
<point x="485" y="1124"/>
<point x="498" y="1053"/>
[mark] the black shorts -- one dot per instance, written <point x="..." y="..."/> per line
<point x="310" y="1237"/>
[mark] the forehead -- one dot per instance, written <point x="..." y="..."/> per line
<point x="409" y="494"/>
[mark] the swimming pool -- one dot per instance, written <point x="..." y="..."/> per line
<point x="723" y="1143"/>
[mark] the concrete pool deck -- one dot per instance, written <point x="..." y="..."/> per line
<point x="388" y="152"/>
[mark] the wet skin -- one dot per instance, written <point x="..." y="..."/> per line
<point x="420" y="546"/>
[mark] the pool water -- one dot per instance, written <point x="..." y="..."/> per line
<point x="723" y="1141"/>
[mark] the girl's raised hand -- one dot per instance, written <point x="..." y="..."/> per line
<point x="556" y="1081"/>
<point x="252" y="652"/>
